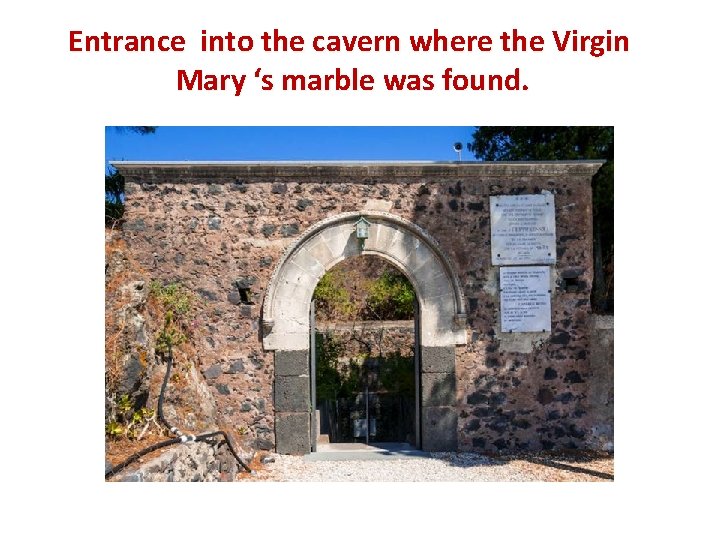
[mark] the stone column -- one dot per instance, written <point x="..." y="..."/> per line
<point x="439" y="399"/>
<point x="292" y="402"/>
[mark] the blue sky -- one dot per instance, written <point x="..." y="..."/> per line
<point x="288" y="143"/>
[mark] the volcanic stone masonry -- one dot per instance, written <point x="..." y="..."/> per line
<point x="253" y="239"/>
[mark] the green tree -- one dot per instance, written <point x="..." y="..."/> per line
<point x="391" y="297"/>
<point x="115" y="183"/>
<point x="140" y="130"/>
<point x="332" y="298"/>
<point x="114" y="196"/>
<point x="342" y="295"/>
<point x="498" y="143"/>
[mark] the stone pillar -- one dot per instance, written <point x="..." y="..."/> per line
<point x="601" y="390"/>
<point x="292" y="402"/>
<point x="439" y="399"/>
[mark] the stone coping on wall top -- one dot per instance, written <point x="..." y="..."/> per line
<point x="364" y="325"/>
<point x="230" y="171"/>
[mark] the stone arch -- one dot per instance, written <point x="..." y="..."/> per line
<point x="286" y="319"/>
<point x="287" y="299"/>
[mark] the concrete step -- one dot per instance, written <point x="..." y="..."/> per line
<point x="363" y="452"/>
<point x="323" y="439"/>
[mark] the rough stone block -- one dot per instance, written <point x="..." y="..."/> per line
<point x="292" y="433"/>
<point x="238" y="366"/>
<point x="213" y="372"/>
<point x="438" y="359"/>
<point x="289" y="229"/>
<point x="292" y="394"/>
<point x="289" y="363"/>
<point x="380" y="205"/>
<point x="438" y="389"/>
<point x="135" y="225"/>
<point x="439" y="429"/>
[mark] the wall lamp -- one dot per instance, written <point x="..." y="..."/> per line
<point x="362" y="231"/>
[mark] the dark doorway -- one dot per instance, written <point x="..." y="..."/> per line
<point x="364" y="361"/>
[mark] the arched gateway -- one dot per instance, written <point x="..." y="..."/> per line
<point x="286" y="319"/>
<point x="509" y="244"/>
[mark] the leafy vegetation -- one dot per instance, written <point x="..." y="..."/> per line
<point x="127" y="420"/>
<point x="332" y="299"/>
<point x="344" y="372"/>
<point x="335" y="378"/>
<point x="391" y="297"/>
<point x="115" y="182"/>
<point x="345" y="293"/>
<point x="140" y="130"/>
<point x="114" y="198"/>
<point x="176" y="302"/>
<point x="339" y="377"/>
<point x="329" y="379"/>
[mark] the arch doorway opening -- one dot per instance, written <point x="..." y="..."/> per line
<point x="365" y="357"/>
<point x="286" y="324"/>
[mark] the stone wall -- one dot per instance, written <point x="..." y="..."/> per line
<point x="222" y="230"/>
<point x="372" y="338"/>
<point x="189" y="462"/>
<point x="132" y="366"/>
<point x="601" y="393"/>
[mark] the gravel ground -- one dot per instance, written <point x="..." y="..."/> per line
<point x="441" y="467"/>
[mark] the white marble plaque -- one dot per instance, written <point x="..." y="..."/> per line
<point x="525" y="299"/>
<point x="523" y="229"/>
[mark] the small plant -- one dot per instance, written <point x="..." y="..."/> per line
<point x="114" y="429"/>
<point x="176" y="302"/>
<point x="170" y="335"/>
<point x="173" y="297"/>
<point x="124" y="405"/>
<point x="128" y="421"/>
<point x="142" y="415"/>
<point x="140" y="422"/>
